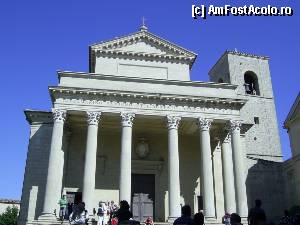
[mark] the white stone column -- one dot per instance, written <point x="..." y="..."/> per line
<point x="228" y="177"/>
<point x="54" y="181"/>
<point x="125" y="167"/>
<point x="207" y="172"/>
<point x="173" y="170"/>
<point x="93" y="119"/>
<point x="238" y="168"/>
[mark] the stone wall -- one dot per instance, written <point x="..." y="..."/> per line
<point x="294" y="134"/>
<point x="142" y="69"/>
<point x="265" y="181"/>
<point x="262" y="139"/>
<point x="35" y="172"/>
<point x="291" y="170"/>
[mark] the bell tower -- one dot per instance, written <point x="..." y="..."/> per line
<point x="251" y="74"/>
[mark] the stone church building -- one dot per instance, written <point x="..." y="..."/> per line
<point x="136" y="128"/>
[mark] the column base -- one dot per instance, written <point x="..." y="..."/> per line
<point x="171" y="219"/>
<point x="244" y="220"/>
<point x="47" y="219"/>
<point x="37" y="222"/>
<point x="211" y="220"/>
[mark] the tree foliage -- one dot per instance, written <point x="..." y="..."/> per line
<point x="10" y="216"/>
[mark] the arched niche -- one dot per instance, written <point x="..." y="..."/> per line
<point x="251" y="83"/>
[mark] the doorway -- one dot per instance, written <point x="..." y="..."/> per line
<point x="74" y="197"/>
<point x="143" y="196"/>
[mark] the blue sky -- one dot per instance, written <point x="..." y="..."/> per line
<point x="40" y="37"/>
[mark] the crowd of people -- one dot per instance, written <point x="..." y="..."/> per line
<point x="256" y="216"/>
<point x="106" y="213"/>
<point x="110" y="213"/>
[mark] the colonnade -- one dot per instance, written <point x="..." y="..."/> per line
<point x="232" y="160"/>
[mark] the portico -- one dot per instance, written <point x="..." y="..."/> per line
<point x="198" y="127"/>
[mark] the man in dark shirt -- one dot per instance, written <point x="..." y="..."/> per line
<point x="123" y="214"/>
<point x="286" y="219"/>
<point x="257" y="215"/>
<point x="185" y="218"/>
<point x="199" y="218"/>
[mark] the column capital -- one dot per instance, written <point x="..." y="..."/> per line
<point x="127" y="119"/>
<point x="93" y="118"/>
<point x="173" y="122"/>
<point x="59" y="115"/>
<point x="226" y="138"/>
<point x="204" y="124"/>
<point x="233" y="125"/>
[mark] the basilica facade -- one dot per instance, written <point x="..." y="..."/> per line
<point x="136" y="128"/>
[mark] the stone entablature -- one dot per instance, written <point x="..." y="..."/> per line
<point x="84" y="100"/>
<point x="85" y="91"/>
<point x="38" y="116"/>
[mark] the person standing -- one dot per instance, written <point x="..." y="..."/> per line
<point x="123" y="213"/>
<point x="199" y="218"/>
<point x="70" y="208"/>
<point x="185" y="218"/>
<point x="78" y="216"/>
<point x="226" y="219"/>
<point x="235" y="219"/>
<point x="113" y="209"/>
<point x="257" y="215"/>
<point x="62" y="207"/>
<point x="106" y="213"/>
<point x="286" y="219"/>
<point x="100" y="214"/>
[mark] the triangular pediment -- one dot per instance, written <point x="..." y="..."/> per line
<point x="145" y="47"/>
<point x="143" y="42"/>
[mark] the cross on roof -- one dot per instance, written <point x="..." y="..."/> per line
<point x="143" y="27"/>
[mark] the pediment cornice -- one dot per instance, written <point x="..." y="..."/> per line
<point x="170" y="50"/>
<point x="145" y="55"/>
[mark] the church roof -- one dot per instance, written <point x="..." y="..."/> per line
<point x="293" y="112"/>
<point x="154" y="48"/>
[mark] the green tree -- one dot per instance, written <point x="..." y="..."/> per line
<point x="10" y="216"/>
